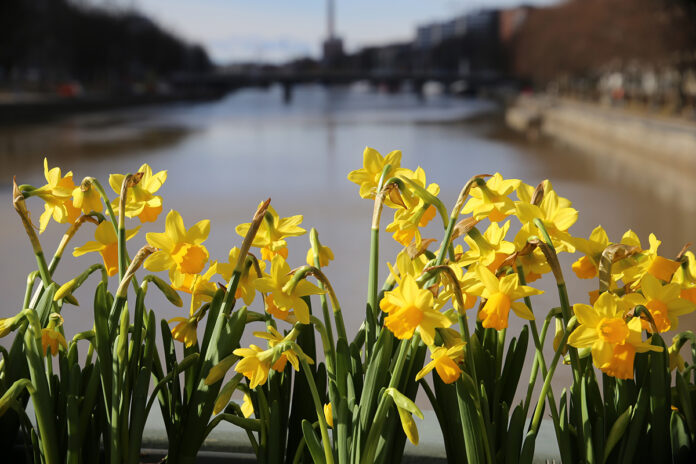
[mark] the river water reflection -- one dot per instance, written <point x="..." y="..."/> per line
<point x="225" y="157"/>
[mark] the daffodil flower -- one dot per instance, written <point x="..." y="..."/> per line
<point x="373" y="165"/>
<point x="281" y="302"/>
<point x="554" y="211"/>
<point x="87" y="198"/>
<point x="410" y="308"/>
<point x="648" y="262"/>
<point x="685" y="276"/>
<point x="272" y="233"/>
<point x="186" y="330"/>
<point x="106" y="243"/>
<point x="141" y="200"/>
<point x="245" y="286"/>
<point x="56" y="193"/>
<point x="492" y="200"/>
<point x="325" y="255"/>
<point x="254" y="365"/>
<point x="247" y="406"/>
<point x="274" y="338"/>
<point x="489" y="249"/>
<point x="199" y="286"/>
<point x="587" y="266"/>
<point x="179" y="249"/>
<point x="614" y="342"/>
<point x="445" y="361"/>
<point x="664" y="303"/>
<point x="52" y="339"/>
<point x="500" y="295"/>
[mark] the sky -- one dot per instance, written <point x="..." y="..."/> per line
<point x="278" y="30"/>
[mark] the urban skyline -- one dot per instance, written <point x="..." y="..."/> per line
<point x="238" y="31"/>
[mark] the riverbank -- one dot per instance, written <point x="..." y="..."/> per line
<point x="44" y="108"/>
<point x="654" y="151"/>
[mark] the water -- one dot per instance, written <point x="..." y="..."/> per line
<point x="224" y="157"/>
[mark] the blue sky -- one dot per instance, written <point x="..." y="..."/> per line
<point x="277" y="30"/>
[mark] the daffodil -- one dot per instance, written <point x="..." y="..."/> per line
<point x="445" y="361"/>
<point x="555" y="213"/>
<point x="106" y="243"/>
<point x="199" y="286"/>
<point x="328" y="414"/>
<point x="614" y="342"/>
<point x="274" y="338"/>
<point x="587" y="266"/>
<point x="492" y="200"/>
<point x="272" y="233"/>
<point x="685" y="276"/>
<point x="179" y="249"/>
<point x="141" y="200"/>
<point x="87" y="198"/>
<point x="51" y="338"/>
<point x="245" y="286"/>
<point x="373" y="165"/>
<point x="407" y="222"/>
<point x="489" y="249"/>
<point x="56" y="193"/>
<point x="410" y="308"/>
<point x="254" y="365"/>
<point x="282" y="302"/>
<point x="664" y="303"/>
<point x="247" y="406"/>
<point x="186" y="330"/>
<point x="325" y="255"/>
<point x="647" y="261"/>
<point x="500" y="295"/>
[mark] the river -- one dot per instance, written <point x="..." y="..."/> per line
<point x="224" y="157"/>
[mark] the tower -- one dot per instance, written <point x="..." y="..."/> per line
<point x="332" y="47"/>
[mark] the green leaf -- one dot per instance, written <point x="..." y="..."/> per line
<point x="513" y="441"/>
<point x="313" y="444"/>
<point x="616" y="432"/>
<point x="403" y="402"/>
<point x="681" y="442"/>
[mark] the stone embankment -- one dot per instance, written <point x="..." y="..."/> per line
<point x="622" y="145"/>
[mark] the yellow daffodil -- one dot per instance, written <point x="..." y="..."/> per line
<point x="685" y="276"/>
<point x="51" y="338"/>
<point x="328" y="414"/>
<point x="407" y="222"/>
<point x="247" y="406"/>
<point x="245" y="286"/>
<point x="500" y="297"/>
<point x="325" y="255"/>
<point x="614" y="342"/>
<point x="489" y="249"/>
<point x="141" y="200"/>
<point x="492" y="200"/>
<point x="675" y="359"/>
<point x="274" y="338"/>
<point x="648" y="261"/>
<point x="664" y="303"/>
<point x="254" y="365"/>
<point x="587" y="266"/>
<point x="554" y="211"/>
<point x="279" y="302"/>
<point x="87" y="198"/>
<point x="199" y="286"/>
<point x="410" y="308"/>
<point x="179" y="249"/>
<point x="56" y="193"/>
<point x="468" y="284"/>
<point x="106" y="243"/>
<point x="373" y="165"/>
<point x="272" y="233"/>
<point x="445" y="361"/>
<point x="186" y="330"/>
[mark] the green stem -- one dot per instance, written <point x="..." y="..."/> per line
<point x="314" y="241"/>
<point x="328" y="453"/>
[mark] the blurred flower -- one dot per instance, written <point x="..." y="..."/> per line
<point x="325" y="255"/>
